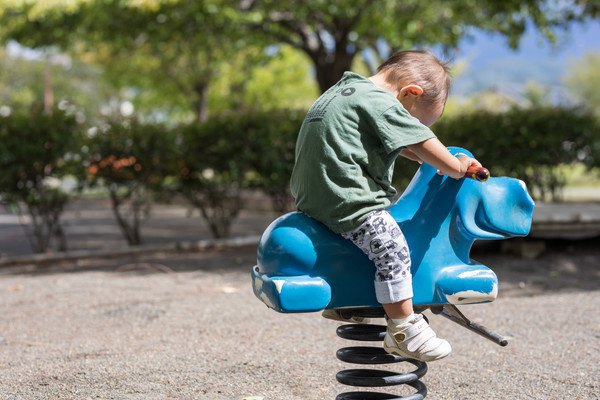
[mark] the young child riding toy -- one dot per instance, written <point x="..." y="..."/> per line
<point x="342" y="177"/>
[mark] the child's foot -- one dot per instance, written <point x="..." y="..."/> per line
<point x="415" y="339"/>
<point x="336" y="315"/>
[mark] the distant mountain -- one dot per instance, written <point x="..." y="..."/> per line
<point x="491" y="64"/>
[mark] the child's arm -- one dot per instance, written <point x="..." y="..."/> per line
<point x="433" y="152"/>
<point x="406" y="153"/>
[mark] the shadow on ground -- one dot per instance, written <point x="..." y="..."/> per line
<point x="562" y="266"/>
<point x="217" y="261"/>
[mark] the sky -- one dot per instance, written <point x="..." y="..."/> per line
<point x="492" y="64"/>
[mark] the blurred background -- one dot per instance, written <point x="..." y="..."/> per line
<point x="159" y="121"/>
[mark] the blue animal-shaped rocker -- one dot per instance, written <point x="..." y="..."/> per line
<point x="304" y="267"/>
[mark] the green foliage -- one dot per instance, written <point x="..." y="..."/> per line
<point x="530" y="144"/>
<point x="37" y="151"/>
<point x="536" y="95"/>
<point x="233" y="152"/>
<point x="271" y="138"/>
<point x="214" y="169"/>
<point x="172" y="50"/>
<point x="127" y="152"/>
<point x="332" y="33"/>
<point x="496" y="100"/>
<point x="169" y="50"/>
<point x="133" y="160"/>
<point x="583" y="80"/>
<point x="487" y="101"/>
<point x="278" y="79"/>
<point x="26" y="76"/>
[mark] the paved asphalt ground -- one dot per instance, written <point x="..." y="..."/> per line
<point x="189" y="327"/>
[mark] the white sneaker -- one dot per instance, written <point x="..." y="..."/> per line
<point x="415" y="339"/>
<point x="336" y="315"/>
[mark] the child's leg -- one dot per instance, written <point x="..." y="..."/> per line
<point x="380" y="237"/>
<point x="401" y="309"/>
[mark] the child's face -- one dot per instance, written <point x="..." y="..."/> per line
<point x="428" y="114"/>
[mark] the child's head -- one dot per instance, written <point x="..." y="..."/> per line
<point x="421" y="82"/>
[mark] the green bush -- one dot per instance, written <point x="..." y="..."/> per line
<point x="213" y="163"/>
<point x="214" y="168"/>
<point x="271" y="138"/>
<point x="37" y="151"/>
<point x="133" y="160"/>
<point x="529" y="144"/>
<point x="233" y="152"/>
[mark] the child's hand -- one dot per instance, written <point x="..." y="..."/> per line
<point x="464" y="163"/>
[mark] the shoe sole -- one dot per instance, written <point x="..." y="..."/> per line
<point x="339" y="318"/>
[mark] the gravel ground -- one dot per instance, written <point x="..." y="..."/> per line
<point x="189" y="327"/>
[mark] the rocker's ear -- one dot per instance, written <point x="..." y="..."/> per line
<point x="510" y="210"/>
<point x="498" y="208"/>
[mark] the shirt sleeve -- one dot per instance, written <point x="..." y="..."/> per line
<point x="397" y="129"/>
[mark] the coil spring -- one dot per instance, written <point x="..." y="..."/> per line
<point x="374" y="355"/>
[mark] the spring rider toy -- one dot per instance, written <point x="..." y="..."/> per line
<point x="304" y="267"/>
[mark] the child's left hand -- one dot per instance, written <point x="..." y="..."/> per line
<point x="465" y="163"/>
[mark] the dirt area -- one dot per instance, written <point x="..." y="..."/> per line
<point x="189" y="327"/>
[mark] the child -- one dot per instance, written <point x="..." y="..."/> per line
<point x="342" y="177"/>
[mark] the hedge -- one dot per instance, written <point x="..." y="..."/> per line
<point x="233" y="152"/>
<point x="213" y="163"/>
<point x="37" y="151"/>
<point x="529" y="144"/>
<point x="133" y="161"/>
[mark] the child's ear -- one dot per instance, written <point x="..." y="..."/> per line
<point x="412" y="90"/>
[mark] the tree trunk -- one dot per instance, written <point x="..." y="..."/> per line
<point x="218" y="207"/>
<point x="48" y="90"/>
<point x="45" y="218"/>
<point x="59" y="235"/>
<point x="201" y="104"/>
<point x="130" y="230"/>
<point x="42" y="238"/>
<point x="330" y="67"/>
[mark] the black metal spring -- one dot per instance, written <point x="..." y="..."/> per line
<point x="374" y="355"/>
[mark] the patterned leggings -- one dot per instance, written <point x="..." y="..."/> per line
<point x="381" y="239"/>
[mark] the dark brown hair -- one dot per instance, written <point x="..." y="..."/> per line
<point x="418" y="67"/>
